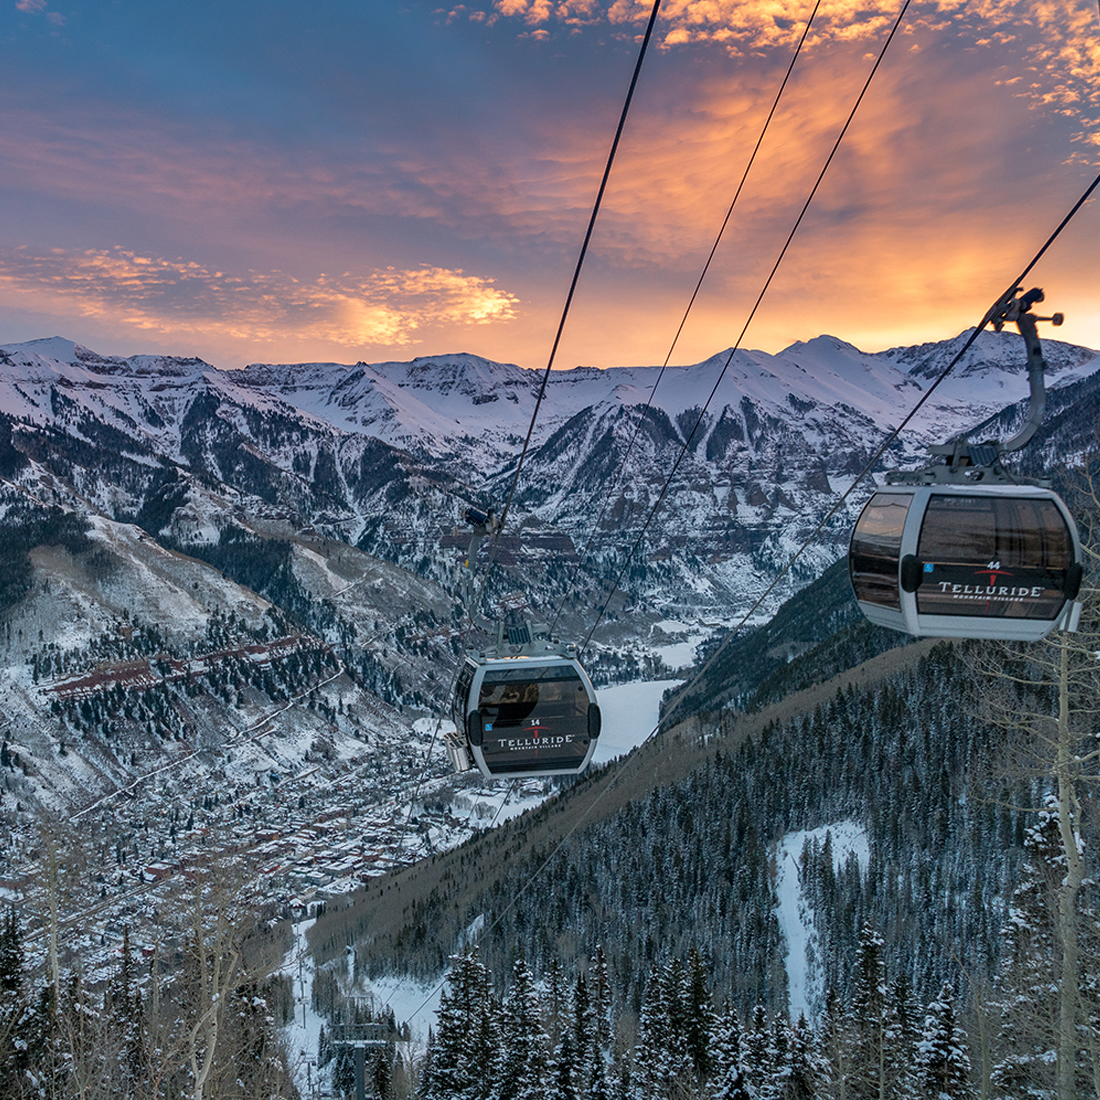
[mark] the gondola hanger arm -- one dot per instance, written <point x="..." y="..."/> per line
<point x="1019" y="312"/>
<point x="1013" y="308"/>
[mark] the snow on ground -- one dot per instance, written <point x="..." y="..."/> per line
<point x="679" y="654"/>
<point x="796" y="919"/>
<point x="304" y="1029"/>
<point x="629" y="716"/>
<point x="412" y="1003"/>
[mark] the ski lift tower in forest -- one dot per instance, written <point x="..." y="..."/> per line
<point x="359" y="1037"/>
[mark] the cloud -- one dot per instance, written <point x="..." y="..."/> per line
<point x="386" y="308"/>
<point x="1063" y="54"/>
<point x="33" y="7"/>
<point x="166" y="167"/>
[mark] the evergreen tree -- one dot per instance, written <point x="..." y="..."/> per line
<point x="382" y="1074"/>
<point x="868" y="1019"/>
<point x="124" y="1011"/>
<point x="755" y="1059"/>
<point x="599" y="1088"/>
<point x="797" y="1076"/>
<point x="675" y="999"/>
<point x="523" y="1047"/>
<point x="901" y="1038"/>
<point x="343" y="1070"/>
<point x="652" y="1056"/>
<point x="563" y="1069"/>
<point x="725" y="1050"/>
<point x="11" y="957"/>
<point x="583" y="1023"/>
<point x="943" y="1065"/>
<point x="14" y="1010"/>
<point x="601" y="1003"/>
<point x="466" y="1044"/>
<point x="700" y="1022"/>
<point x="732" y="1084"/>
<point x="554" y="999"/>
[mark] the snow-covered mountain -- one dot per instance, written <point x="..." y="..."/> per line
<point x="382" y="455"/>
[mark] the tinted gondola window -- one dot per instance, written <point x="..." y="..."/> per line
<point x="462" y="691"/>
<point x="876" y="544"/>
<point x="534" y="718"/>
<point x="994" y="557"/>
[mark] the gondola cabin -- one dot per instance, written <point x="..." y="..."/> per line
<point x="525" y="716"/>
<point x="963" y="561"/>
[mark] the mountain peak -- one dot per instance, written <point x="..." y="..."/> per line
<point x="49" y="347"/>
<point x="823" y="344"/>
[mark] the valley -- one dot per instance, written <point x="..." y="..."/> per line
<point x="231" y="607"/>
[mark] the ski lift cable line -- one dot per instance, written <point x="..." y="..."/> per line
<point x="691" y="302"/>
<point x="618" y="772"/>
<point x="493" y="546"/>
<point x="632" y="759"/>
<point x="626" y="762"/>
<point x="889" y="439"/>
<point x="687" y="444"/>
<point x="748" y="321"/>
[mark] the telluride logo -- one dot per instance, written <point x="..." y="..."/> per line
<point x="991" y="591"/>
<point x="515" y="744"/>
<point x="994" y="571"/>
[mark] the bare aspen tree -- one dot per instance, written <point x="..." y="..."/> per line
<point x="1049" y="698"/>
<point x="214" y="1034"/>
<point x="61" y="861"/>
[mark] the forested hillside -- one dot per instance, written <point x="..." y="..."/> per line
<point x="821" y="625"/>
<point x="690" y="865"/>
<point x="963" y="765"/>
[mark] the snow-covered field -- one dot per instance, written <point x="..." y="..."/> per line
<point x="681" y="653"/>
<point x="796" y="919"/>
<point x="629" y="716"/>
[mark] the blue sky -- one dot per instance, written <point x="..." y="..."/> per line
<point x="288" y="182"/>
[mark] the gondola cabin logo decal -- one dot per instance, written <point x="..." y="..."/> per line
<point x="961" y="582"/>
<point x="988" y="589"/>
<point x="994" y="571"/>
<point x="526" y="744"/>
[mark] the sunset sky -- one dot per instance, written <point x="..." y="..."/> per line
<point x="382" y="179"/>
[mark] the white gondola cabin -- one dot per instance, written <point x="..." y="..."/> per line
<point x="967" y="561"/>
<point x="524" y="716"/>
<point x="965" y="549"/>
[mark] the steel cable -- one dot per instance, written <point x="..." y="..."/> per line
<point x="752" y="313"/>
<point x="626" y="762"/>
<point x="607" y="497"/>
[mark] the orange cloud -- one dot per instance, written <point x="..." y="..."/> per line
<point x="385" y="308"/>
<point x="1065" y="50"/>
